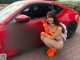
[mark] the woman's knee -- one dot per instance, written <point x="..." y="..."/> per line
<point x="42" y="37"/>
<point x="59" y="46"/>
<point x="42" y="33"/>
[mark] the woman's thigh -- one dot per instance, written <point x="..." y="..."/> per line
<point x="52" y="43"/>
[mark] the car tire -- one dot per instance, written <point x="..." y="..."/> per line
<point x="71" y="28"/>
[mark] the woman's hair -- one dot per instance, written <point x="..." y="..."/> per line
<point x="51" y="14"/>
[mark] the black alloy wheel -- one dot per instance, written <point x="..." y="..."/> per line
<point x="71" y="28"/>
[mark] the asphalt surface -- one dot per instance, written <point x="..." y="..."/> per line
<point x="70" y="51"/>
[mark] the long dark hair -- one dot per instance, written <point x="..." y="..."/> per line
<point x="56" y="21"/>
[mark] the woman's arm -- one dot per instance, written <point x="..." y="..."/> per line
<point x="57" y="33"/>
<point x="45" y="35"/>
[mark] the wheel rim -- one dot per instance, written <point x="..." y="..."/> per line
<point x="71" y="29"/>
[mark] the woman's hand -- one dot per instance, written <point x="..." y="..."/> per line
<point x="46" y="35"/>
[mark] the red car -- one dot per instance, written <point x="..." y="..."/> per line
<point x="21" y="24"/>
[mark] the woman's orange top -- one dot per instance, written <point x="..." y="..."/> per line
<point x="46" y="27"/>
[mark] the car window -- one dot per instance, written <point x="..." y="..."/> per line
<point x="27" y="11"/>
<point x="56" y="9"/>
<point x="37" y="10"/>
<point x="34" y="11"/>
<point x="40" y="10"/>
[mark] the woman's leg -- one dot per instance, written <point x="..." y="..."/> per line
<point x="52" y="43"/>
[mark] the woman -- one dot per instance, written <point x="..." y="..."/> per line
<point x="52" y="36"/>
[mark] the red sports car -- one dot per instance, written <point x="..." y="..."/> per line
<point x="21" y="24"/>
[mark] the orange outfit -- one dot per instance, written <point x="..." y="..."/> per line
<point x="45" y="25"/>
<point x="51" y="51"/>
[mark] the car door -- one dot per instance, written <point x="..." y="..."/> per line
<point x="24" y="36"/>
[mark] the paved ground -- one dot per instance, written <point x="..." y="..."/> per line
<point x="71" y="51"/>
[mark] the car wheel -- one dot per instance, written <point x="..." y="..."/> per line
<point x="71" y="29"/>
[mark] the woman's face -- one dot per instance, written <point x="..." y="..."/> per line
<point x="50" y="20"/>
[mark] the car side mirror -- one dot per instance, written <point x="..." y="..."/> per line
<point x="22" y="18"/>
